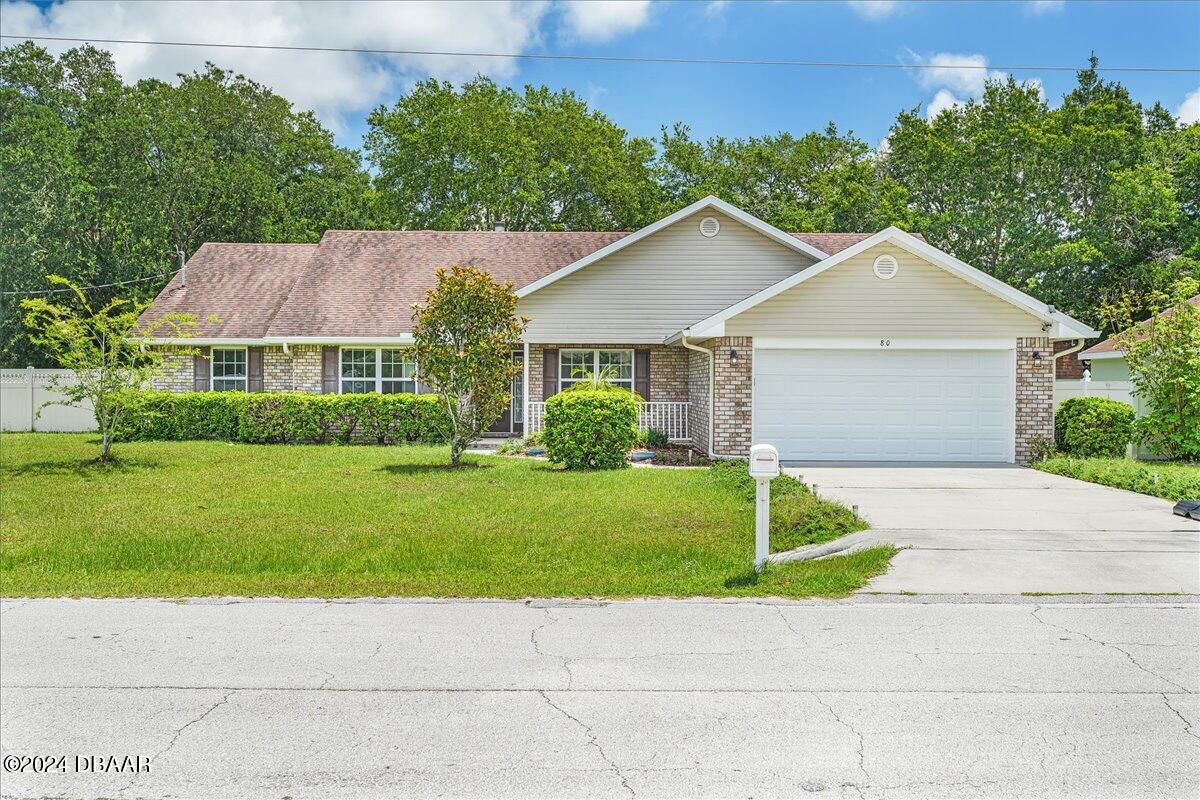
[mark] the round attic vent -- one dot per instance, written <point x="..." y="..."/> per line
<point x="886" y="267"/>
<point x="709" y="227"/>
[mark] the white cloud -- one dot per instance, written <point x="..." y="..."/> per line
<point x="1039" y="7"/>
<point x="873" y="10"/>
<point x="964" y="73"/>
<point x="941" y="101"/>
<point x="603" y="20"/>
<point x="1189" y="110"/>
<point x="332" y="84"/>
<point x="715" y="8"/>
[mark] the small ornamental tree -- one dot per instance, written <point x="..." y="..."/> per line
<point x="465" y="334"/>
<point x="1163" y="355"/>
<point x="105" y="349"/>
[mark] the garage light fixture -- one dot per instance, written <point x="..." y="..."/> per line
<point x="733" y="356"/>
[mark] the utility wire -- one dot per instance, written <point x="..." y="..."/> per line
<point x="625" y="59"/>
<point x="97" y="286"/>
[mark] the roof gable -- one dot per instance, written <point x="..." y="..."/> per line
<point x="710" y="202"/>
<point x="1062" y="325"/>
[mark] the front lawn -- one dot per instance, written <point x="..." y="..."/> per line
<point x="1172" y="481"/>
<point x="210" y="518"/>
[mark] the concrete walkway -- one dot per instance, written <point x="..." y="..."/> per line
<point x="1007" y="530"/>
<point x="872" y="697"/>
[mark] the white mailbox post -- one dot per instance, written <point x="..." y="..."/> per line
<point x="764" y="465"/>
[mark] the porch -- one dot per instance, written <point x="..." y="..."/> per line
<point x="669" y="417"/>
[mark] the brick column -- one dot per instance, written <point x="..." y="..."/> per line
<point x="697" y="376"/>
<point x="1035" y="396"/>
<point x="734" y="394"/>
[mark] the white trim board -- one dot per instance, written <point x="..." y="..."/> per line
<point x="900" y="343"/>
<point x="749" y="220"/>
<point x="1101" y="356"/>
<point x="1062" y="326"/>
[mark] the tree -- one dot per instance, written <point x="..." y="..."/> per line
<point x="821" y="181"/>
<point x="484" y="155"/>
<point x="104" y="348"/>
<point x="465" y="335"/>
<point x="1163" y="356"/>
<point x="104" y="182"/>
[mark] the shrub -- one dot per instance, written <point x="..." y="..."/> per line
<point x="591" y="428"/>
<point x="652" y="437"/>
<point x="287" y="417"/>
<point x="1093" y="427"/>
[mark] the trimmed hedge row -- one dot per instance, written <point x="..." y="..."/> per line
<point x="591" y="428"/>
<point x="1093" y="427"/>
<point x="286" y="418"/>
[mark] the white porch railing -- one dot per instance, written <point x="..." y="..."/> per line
<point x="670" y="418"/>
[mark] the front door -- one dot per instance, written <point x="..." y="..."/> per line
<point x="513" y="418"/>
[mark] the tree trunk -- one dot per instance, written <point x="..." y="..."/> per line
<point x="105" y="444"/>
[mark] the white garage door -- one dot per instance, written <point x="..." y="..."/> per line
<point x="885" y="405"/>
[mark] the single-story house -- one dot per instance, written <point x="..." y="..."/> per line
<point x="831" y="346"/>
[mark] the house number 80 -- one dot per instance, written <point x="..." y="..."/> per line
<point x="885" y="342"/>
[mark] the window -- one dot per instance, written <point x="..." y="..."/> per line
<point x="385" y="370"/>
<point x="577" y="365"/>
<point x="398" y="371"/>
<point x="228" y="369"/>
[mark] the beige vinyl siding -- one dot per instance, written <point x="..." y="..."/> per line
<point x="923" y="301"/>
<point x="660" y="285"/>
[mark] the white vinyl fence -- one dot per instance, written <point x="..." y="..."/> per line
<point x="670" y="418"/>
<point x="1113" y="390"/>
<point x="24" y="391"/>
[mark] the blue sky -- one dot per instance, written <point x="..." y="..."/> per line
<point x="728" y="100"/>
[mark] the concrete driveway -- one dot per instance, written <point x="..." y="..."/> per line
<point x="1000" y="529"/>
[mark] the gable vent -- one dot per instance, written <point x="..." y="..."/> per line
<point x="709" y="227"/>
<point x="886" y="267"/>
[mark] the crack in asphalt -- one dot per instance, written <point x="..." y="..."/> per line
<point x="178" y="733"/>
<point x="1187" y="725"/>
<point x="861" y="741"/>
<point x="1110" y="646"/>
<point x="564" y="661"/>
<point x="593" y="741"/>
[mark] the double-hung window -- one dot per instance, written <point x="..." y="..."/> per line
<point x="228" y="369"/>
<point x="614" y="365"/>
<point x="378" y="369"/>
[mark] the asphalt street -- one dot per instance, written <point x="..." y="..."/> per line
<point x="869" y="697"/>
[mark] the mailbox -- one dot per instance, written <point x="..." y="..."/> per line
<point x="764" y="461"/>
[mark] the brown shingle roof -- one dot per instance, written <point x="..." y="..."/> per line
<point x="364" y="283"/>
<point x="242" y="284"/>
<point x="1109" y="345"/>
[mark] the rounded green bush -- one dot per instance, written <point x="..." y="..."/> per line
<point x="1094" y="427"/>
<point x="591" y="428"/>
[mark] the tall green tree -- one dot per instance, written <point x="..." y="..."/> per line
<point x="821" y="181"/>
<point x="104" y="182"/>
<point x="485" y="155"/>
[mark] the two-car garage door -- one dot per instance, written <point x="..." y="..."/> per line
<point x="885" y="405"/>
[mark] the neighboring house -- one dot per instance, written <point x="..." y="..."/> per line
<point x="834" y="346"/>
<point x="1107" y="362"/>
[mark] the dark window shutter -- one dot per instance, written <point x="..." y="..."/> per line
<point x="254" y="369"/>
<point x="329" y="370"/>
<point x="202" y="370"/>
<point x="549" y="373"/>
<point x="641" y="373"/>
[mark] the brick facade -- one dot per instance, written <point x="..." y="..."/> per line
<point x="298" y="372"/>
<point x="733" y="400"/>
<point x="178" y="372"/>
<point x="1035" y="396"/>
<point x="1067" y="368"/>
<point x="698" y="397"/>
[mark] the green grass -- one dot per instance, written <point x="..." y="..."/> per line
<point x="175" y="519"/>
<point x="1172" y="481"/>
